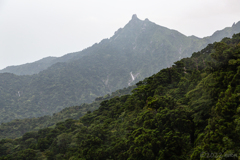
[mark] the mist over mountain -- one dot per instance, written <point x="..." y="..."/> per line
<point x="136" y="51"/>
<point x="40" y="65"/>
<point x="138" y="27"/>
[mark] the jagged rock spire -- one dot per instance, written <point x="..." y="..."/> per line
<point x="134" y="16"/>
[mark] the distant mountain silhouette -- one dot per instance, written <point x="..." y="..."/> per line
<point x="36" y="67"/>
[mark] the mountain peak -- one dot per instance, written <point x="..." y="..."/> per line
<point x="135" y="20"/>
<point x="134" y="17"/>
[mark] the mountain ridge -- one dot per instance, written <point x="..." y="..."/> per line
<point x="40" y="65"/>
<point x="137" y="51"/>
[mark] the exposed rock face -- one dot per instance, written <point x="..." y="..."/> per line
<point x="134" y="17"/>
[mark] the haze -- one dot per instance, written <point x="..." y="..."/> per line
<point x="31" y="30"/>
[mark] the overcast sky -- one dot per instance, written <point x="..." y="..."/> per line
<point x="33" y="29"/>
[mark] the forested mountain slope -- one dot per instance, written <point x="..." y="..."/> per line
<point x="18" y="127"/>
<point x="187" y="111"/>
<point x="138" y="50"/>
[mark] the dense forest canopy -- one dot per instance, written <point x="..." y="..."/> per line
<point x="187" y="111"/>
<point x="18" y="127"/>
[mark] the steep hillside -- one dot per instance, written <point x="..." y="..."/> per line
<point x="187" y="111"/>
<point x="138" y="50"/>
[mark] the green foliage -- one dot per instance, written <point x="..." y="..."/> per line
<point x="141" y="48"/>
<point x="159" y="120"/>
<point x="17" y="128"/>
